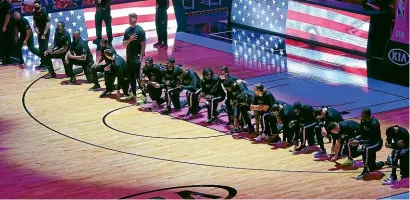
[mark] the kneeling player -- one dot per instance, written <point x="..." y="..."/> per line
<point x="212" y="91"/>
<point x="120" y="69"/>
<point x="398" y="140"/>
<point x="342" y="133"/>
<point x="152" y="80"/>
<point x="233" y="89"/>
<point x="241" y="112"/>
<point x="191" y="83"/>
<point x="371" y="140"/>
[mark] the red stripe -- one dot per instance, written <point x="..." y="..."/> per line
<point x="352" y="70"/>
<point x="323" y="40"/>
<point x="149" y="40"/>
<point x="124" y="20"/>
<point x="327" y="24"/>
<point x="148" y="3"/>
<point x="295" y="43"/>
<point x="350" y="14"/>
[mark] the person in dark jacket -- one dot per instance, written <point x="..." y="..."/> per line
<point x="371" y="140"/>
<point x="212" y="91"/>
<point x="191" y="83"/>
<point x="342" y="133"/>
<point x="324" y="115"/>
<point x="398" y="141"/>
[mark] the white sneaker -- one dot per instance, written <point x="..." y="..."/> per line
<point x="261" y="137"/>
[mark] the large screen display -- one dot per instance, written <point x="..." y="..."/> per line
<point x="306" y="21"/>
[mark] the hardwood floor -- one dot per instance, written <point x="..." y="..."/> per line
<point x="66" y="151"/>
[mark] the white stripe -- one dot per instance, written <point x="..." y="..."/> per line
<point x="123" y="12"/>
<point x="327" y="33"/>
<point x="330" y="15"/>
<point x="327" y="57"/>
<point x="121" y="28"/>
<point x="148" y="34"/>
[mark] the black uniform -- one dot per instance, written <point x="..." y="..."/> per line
<point x="154" y="74"/>
<point x="304" y="125"/>
<point x="399" y="153"/>
<point x="103" y="13"/>
<point x="231" y="95"/>
<point x="332" y="115"/>
<point x="133" y="55"/>
<point x="213" y="88"/>
<point x="191" y="83"/>
<point x="287" y="115"/>
<point x="172" y="92"/>
<point x="5" y="37"/>
<point x="371" y="141"/>
<point x="22" y="27"/>
<point x="40" y="17"/>
<point x="109" y="78"/>
<point x="269" y="121"/>
<point x="79" y="48"/>
<point x="349" y="129"/>
<point x="242" y="108"/>
<point x="161" y="21"/>
<point x="60" y="40"/>
<point x="120" y="69"/>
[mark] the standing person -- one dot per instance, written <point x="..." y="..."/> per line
<point x="103" y="13"/>
<point x="371" y="140"/>
<point x="398" y="141"/>
<point x="134" y="41"/>
<point x="59" y="49"/>
<point x="161" y="23"/>
<point x="79" y="54"/>
<point x="41" y="25"/>
<point x="5" y="37"/>
<point x="22" y="28"/>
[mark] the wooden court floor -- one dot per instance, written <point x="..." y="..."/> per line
<point x="54" y="144"/>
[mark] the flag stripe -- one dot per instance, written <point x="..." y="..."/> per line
<point x="320" y="10"/>
<point x="315" y="31"/>
<point x="124" y="20"/>
<point x="139" y="3"/>
<point x="120" y="29"/>
<point x="325" y="57"/>
<point x="129" y="8"/>
<point x="324" y="40"/>
<point x="326" y="23"/>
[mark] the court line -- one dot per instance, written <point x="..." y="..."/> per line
<point x="23" y="100"/>
<point x="148" y="136"/>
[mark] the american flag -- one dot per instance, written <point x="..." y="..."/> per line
<point x="119" y="12"/>
<point x="83" y="20"/>
<point x="74" y="21"/>
<point x="303" y="20"/>
<point x="251" y="45"/>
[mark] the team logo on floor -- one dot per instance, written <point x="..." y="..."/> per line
<point x="188" y="192"/>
